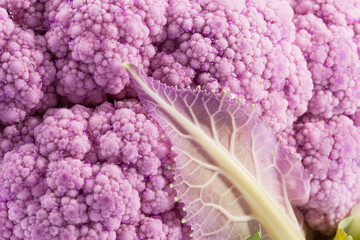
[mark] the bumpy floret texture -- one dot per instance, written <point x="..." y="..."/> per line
<point x="98" y="37"/>
<point x="62" y="134"/>
<point x="330" y="150"/>
<point x="327" y="33"/>
<point x="331" y="53"/>
<point x="244" y="47"/>
<point x="332" y="47"/>
<point x="297" y="59"/>
<point x="88" y="174"/>
<point x="26" y="12"/>
<point x="26" y="72"/>
<point x="18" y="134"/>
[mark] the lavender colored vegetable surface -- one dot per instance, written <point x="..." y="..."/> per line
<point x="230" y="171"/>
<point x="93" y="147"/>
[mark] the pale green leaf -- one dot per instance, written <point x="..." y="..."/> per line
<point x="256" y="235"/>
<point x="349" y="228"/>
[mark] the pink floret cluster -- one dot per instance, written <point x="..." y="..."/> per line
<point x="330" y="150"/>
<point x="76" y="167"/>
<point x="26" y="72"/>
<point x="79" y="173"/>
<point x="242" y="47"/>
<point x="328" y="135"/>
<point x="28" y="13"/>
<point x="92" y="38"/>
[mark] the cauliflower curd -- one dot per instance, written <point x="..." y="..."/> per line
<point x="80" y="158"/>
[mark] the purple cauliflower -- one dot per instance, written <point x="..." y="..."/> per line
<point x="337" y="29"/>
<point x="100" y="36"/>
<point x="332" y="58"/>
<point x="63" y="179"/>
<point x="182" y="43"/>
<point x="327" y="137"/>
<point x="27" y="13"/>
<point x="244" y="47"/>
<point x="74" y="172"/>
<point x="330" y="151"/>
<point x="26" y="72"/>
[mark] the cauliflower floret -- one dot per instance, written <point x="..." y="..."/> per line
<point x="128" y="137"/>
<point x="330" y="151"/>
<point x="62" y="134"/>
<point x="171" y="72"/>
<point x="157" y="197"/>
<point x="337" y="30"/>
<point x="333" y="61"/>
<point x="111" y="198"/>
<point x="66" y="175"/>
<point x="127" y="232"/>
<point x="171" y="225"/>
<point x="26" y="72"/>
<point x="100" y="36"/>
<point x="244" y="47"/>
<point x="16" y="135"/>
<point x="76" y="82"/>
<point x="62" y="179"/>
<point x="152" y="229"/>
<point x="26" y="12"/>
<point x="22" y="172"/>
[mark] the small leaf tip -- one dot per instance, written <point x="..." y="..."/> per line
<point x="126" y="65"/>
